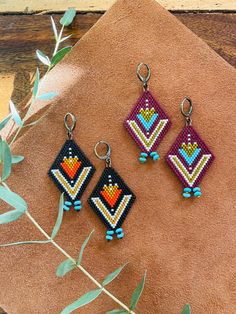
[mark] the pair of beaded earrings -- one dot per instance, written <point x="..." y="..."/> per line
<point x="71" y="171"/>
<point x="147" y="123"/>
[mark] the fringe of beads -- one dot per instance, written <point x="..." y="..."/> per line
<point x="143" y="157"/>
<point x="77" y="205"/>
<point x="119" y="233"/>
<point x="196" y="192"/>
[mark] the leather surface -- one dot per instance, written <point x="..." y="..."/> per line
<point x="187" y="246"/>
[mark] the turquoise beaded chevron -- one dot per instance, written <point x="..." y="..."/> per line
<point x="147" y="124"/>
<point x="189" y="159"/>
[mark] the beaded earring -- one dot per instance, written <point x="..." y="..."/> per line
<point x="147" y="123"/>
<point x="71" y="171"/>
<point x="189" y="157"/>
<point x="111" y="198"/>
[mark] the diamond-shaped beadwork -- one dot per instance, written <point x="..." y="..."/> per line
<point x="147" y="124"/>
<point x="111" y="199"/>
<point x="71" y="172"/>
<point x="189" y="158"/>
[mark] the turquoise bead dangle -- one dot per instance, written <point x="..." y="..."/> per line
<point x="143" y="156"/>
<point x="119" y="234"/>
<point x="196" y="192"/>
<point x="77" y="205"/>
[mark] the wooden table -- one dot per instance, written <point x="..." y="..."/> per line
<point x="23" y="29"/>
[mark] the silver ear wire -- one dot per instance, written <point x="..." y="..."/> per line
<point x="144" y="79"/>
<point x="71" y="127"/>
<point x="107" y="156"/>
<point x="187" y="114"/>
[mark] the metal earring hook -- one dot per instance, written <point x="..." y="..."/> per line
<point x="187" y="114"/>
<point x="144" y="79"/>
<point x="70" y="127"/>
<point x="107" y="156"/>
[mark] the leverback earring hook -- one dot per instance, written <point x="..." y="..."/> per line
<point x="144" y="79"/>
<point x="70" y="127"/>
<point x="107" y="156"/>
<point x="187" y="114"/>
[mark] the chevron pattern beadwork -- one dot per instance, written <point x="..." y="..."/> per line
<point x="147" y="124"/>
<point x="189" y="158"/>
<point x="111" y="199"/>
<point x="71" y="172"/>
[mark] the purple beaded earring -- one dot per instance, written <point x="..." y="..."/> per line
<point x="189" y="157"/>
<point x="147" y="123"/>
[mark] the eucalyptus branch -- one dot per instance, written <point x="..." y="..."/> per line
<point x="20" y="127"/>
<point x="80" y="267"/>
<point x="58" y="41"/>
<point x="57" y="56"/>
<point x="70" y="263"/>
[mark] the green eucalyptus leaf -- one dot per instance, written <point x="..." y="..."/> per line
<point x="85" y="299"/>
<point x="15" y="114"/>
<point x="47" y="96"/>
<point x="6" y="160"/>
<point x="4" y="121"/>
<point x="83" y="246"/>
<point x="137" y="293"/>
<point x="10" y="216"/>
<point x="42" y="57"/>
<point x="68" y="17"/>
<point x="36" y="83"/>
<point x="113" y="275"/>
<point x="59" y="217"/>
<point x="25" y="242"/>
<point x="13" y="199"/>
<point x="54" y="28"/>
<point x="16" y="159"/>
<point x="60" y="55"/>
<point x="117" y="312"/>
<point x="186" y="309"/>
<point x="65" y="267"/>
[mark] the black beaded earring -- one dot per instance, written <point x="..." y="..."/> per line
<point x="111" y="199"/>
<point x="71" y="171"/>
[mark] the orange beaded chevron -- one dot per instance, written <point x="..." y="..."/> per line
<point x="111" y="199"/>
<point x="71" y="171"/>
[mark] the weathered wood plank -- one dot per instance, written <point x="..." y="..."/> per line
<point x="103" y="5"/>
<point x="22" y="35"/>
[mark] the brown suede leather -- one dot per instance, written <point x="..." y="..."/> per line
<point x="188" y="247"/>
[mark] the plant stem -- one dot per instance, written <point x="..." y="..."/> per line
<point x="86" y="273"/>
<point x="23" y="122"/>
<point x="15" y="136"/>
<point x="58" y="41"/>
